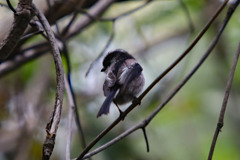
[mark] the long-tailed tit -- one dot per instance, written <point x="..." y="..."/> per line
<point x="124" y="79"/>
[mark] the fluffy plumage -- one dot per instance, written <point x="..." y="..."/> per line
<point x="124" y="79"/>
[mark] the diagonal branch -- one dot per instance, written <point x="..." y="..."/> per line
<point x="79" y="6"/>
<point x="96" y="10"/>
<point x="29" y="54"/>
<point x="10" y="6"/>
<point x="52" y="126"/>
<point x="224" y="104"/>
<point x="145" y="137"/>
<point x="70" y="117"/>
<point x="89" y="15"/>
<point x="74" y="106"/>
<point x="103" y="50"/>
<point x="186" y="11"/>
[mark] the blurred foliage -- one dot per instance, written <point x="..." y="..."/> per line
<point x="183" y="130"/>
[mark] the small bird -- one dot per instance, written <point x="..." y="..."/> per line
<point x="124" y="79"/>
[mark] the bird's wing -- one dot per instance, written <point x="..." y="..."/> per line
<point x="130" y="74"/>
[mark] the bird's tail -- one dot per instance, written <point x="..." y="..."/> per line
<point x="106" y="104"/>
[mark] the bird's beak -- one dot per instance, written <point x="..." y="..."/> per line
<point x="103" y="70"/>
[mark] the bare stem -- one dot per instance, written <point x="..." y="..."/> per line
<point x="104" y="49"/>
<point x="52" y="126"/>
<point x="228" y="88"/>
<point x="70" y="117"/>
<point x="224" y="104"/>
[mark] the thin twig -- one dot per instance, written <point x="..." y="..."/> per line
<point x="25" y="56"/>
<point x="138" y="100"/>
<point x="145" y="137"/>
<point x="52" y="125"/>
<point x="79" y="6"/>
<point x="225" y="100"/>
<point x="117" y="17"/>
<point x="113" y="20"/>
<point x="186" y="11"/>
<point x="70" y="117"/>
<point x="146" y="121"/>
<point x="53" y="16"/>
<point x="129" y="12"/>
<point x="11" y="7"/>
<point x="113" y="141"/>
<point x="103" y="50"/>
<point x="38" y="26"/>
<point x="224" y="105"/>
<point x="75" y="107"/>
<point x="97" y="10"/>
<point x="30" y="35"/>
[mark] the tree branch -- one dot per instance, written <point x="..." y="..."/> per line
<point x="104" y="49"/>
<point x="186" y="11"/>
<point x="227" y="92"/>
<point x="224" y="104"/>
<point x="70" y="117"/>
<point x="22" y="18"/>
<point x="10" y="6"/>
<point x="74" y="106"/>
<point x="81" y="24"/>
<point x="52" y="126"/>
<point x="29" y="54"/>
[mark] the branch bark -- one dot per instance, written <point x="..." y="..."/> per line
<point x="97" y="10"/>
<point x="22" y="18"/>
<point x="52" y="126"/>
<point x="224" y="104"/>
<point x="70" y="117"/>
<point x="20" y="59"/>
